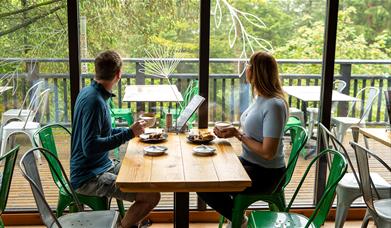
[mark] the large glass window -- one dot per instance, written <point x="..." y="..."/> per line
<point x="293" y="33"/>
<point x="363" y="47"/>
<point x="34" y="48"/>
<point x="159" y="43"/>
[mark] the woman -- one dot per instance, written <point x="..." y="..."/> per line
<point x="263" y="128"/>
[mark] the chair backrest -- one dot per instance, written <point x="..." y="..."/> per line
<point x="5" y="180"/>
<point x="331" y="142"/>
<point x="35" y="90"/>
<point x="47" y="141"/>
<point x="191" y="90"/>
<point x="366" y="104"/>
<point x="365" y="183"/>
<point x="337" y="171"/>
<point x="29" y="169"/>
<point x="299" y="138"/>
<point x="339" y="85"/>
<point x="42" y="98"/>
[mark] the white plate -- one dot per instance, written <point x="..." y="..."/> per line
<point x="145" y="137"/>
<point x="204" y="150"/>
<point x="155" y="150"/>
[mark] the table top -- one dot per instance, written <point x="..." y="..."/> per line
<point x="179" y="170"/>
<point x="378" y="134"/>
<point x="312" y="93"/>
<point x="5" y="88"/>
<point x="152" y="93"/>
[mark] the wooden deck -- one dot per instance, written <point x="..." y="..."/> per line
<point x="20" y="196"/>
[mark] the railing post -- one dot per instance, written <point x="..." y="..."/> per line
<point x="244" y="95"/>
<point x="346" y="74"/>
<point x="140" y="80"/>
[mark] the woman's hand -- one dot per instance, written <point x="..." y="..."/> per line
<point x="228" y="132"/>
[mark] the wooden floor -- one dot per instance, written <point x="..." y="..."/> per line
<point x="20" y="196"/>
<point x="348" y="224"/>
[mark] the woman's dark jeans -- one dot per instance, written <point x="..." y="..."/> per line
<point x="264" y="180"/>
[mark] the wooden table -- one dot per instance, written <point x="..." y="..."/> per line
<point x="312" y="93"/>
<point x="181" y="172"/>
<point x="378" y="134"/>
<point x="4" y="88"/>
<point x="152" y="93"/>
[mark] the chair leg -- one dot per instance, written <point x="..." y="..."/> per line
<point x="365" y="221"/>
<point x="121" y="208"/>
<point x="62" y="203"/>
<point x="37" y="154"/>
<point x="237" y="217"/>
<point x="221" y="221"/>
<point x="1" y="223"/>
<point x="344" y="199"/>
<point x="4" y="142"/>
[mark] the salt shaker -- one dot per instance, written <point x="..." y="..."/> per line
<point x="168" y="121"/>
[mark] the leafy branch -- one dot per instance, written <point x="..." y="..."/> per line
<point x="11" y="13"/>
<point x="30" y="21"/>
<point x="238" y="30"/>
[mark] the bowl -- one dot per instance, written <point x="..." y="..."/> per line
<point x="223" y="125"/>
<point x="149" y="119"/>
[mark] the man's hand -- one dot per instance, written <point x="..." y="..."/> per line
<point x="138" y="128"/>
<point x="226" y="132"/>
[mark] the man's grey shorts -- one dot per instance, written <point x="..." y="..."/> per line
<point x="104" y="185"/>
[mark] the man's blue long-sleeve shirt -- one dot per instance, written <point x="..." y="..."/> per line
<point x="92" y="135"/>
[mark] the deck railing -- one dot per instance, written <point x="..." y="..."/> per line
<point x="228" y="97"/>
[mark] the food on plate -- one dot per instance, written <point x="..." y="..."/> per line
<point x="201" y="136"/>
<point x="155" y="135"/>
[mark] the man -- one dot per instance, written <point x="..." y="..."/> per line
<point x="92" y="172"/>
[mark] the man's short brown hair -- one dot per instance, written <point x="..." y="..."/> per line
<point x="107" y="64"/>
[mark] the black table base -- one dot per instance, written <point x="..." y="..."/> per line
<point x="181" y="209"/>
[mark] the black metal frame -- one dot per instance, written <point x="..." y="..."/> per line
<point x="204" y="62"/>
<point x="74" y="49"/>
<point x="330" y="37"/>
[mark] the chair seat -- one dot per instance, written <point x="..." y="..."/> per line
<point x="18" y="125"/>
<point x="294" y="110"/>
<point x="383" y="208"/>
<point x="15" y="112"/>
<point x="121" y="111"/>
<point x="346" y="120"/>
<point x="270" y="219"/>
<point x="349" y="181"/>
<point x="93" y="219"/>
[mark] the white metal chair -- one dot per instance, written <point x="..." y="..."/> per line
<point x="338" y="85"/>
<point x="22" y="113"/>
<point x="378" y="208"/>
<point x="297" y="113"/>
<point x="348" y="189"/>
<point x="342" y="124"/>
<point x="93" y="219"/>
<point x="28" y="126"/>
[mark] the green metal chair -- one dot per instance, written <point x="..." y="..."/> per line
<point x="45" y="135"/>
<point x="276" y="199"/>
<point x="293" y="121"/>
<point x="191" y="90"/>
<point x="120" y="113"/>
<point x="116" y="150"/>
<point x="268" y="219"/>
<point x="6" y="178"/>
